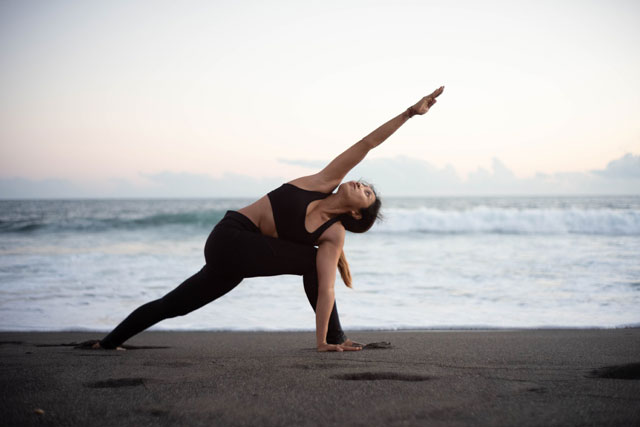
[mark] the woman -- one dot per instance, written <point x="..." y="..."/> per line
<point x="271" y="237"/>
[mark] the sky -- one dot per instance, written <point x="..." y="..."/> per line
<point x="224" y="98"/>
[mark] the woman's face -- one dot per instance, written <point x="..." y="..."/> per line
<point x="358" y="194"/>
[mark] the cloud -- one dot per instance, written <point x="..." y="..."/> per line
<point x="628" y="166"/>
<point x="404" y="176"/>
<point x="398" y="176"/>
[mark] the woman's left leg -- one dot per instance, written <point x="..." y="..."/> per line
<point x="198" y="290"/>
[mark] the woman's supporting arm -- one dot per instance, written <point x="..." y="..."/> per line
<point x="329" y="251"/>
<point x="326" y="264"/>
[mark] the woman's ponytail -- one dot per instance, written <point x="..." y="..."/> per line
<point x="343" y="268"/>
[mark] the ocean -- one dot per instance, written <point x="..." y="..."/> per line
<point x="457" y="262"/>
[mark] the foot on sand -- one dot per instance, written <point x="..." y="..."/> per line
<point x="94" y="345"/>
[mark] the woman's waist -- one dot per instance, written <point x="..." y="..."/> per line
<point x="261" y="214"/>
<point x="236" y="219"/>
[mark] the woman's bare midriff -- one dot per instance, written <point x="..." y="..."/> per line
<point x="261" y="214"/>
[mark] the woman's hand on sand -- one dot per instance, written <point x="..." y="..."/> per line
<point x="352" y="343"/>
<point x="337" y="347"/>
<point x="422" y="106"/>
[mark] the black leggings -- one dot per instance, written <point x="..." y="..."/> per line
<point x="234" y="250"/>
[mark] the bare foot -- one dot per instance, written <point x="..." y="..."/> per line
<point x="97" y="346"/>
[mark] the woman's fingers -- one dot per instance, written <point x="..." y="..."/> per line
<point x="436" y="92"/>
<point x="349" y="348"/>
<point x="429" y="98"/>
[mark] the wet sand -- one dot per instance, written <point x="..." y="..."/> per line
<point x="505" y="377"/>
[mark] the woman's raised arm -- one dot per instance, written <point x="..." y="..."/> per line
<point x="331" y="176"/>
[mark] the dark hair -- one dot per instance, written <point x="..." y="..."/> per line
<point x="369" y="216"/>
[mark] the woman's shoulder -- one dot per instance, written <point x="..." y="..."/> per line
<point x="314" y="182"/>
<point x="334" y="235"/>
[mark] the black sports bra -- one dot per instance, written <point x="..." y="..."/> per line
<point x="289" y="204"/>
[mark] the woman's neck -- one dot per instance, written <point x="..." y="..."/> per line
<point x="331" y="206"/>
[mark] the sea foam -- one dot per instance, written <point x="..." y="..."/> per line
<point x="483" y="219"/>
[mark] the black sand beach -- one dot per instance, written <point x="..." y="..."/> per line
<point x="509" y="378"/>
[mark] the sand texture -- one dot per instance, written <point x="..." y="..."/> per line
<point x="504" y="378"/>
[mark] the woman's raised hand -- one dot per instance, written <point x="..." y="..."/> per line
<point x="422" y="106"/>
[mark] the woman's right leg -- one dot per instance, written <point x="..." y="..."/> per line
<point x="198" y="290"/>
<point x="335" y="334"/>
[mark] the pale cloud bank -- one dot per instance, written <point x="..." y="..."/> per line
<point x="402" y="176"/>
<point x="398" y="176"/>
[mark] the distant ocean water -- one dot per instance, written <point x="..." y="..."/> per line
<point x="432" y="263"/>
